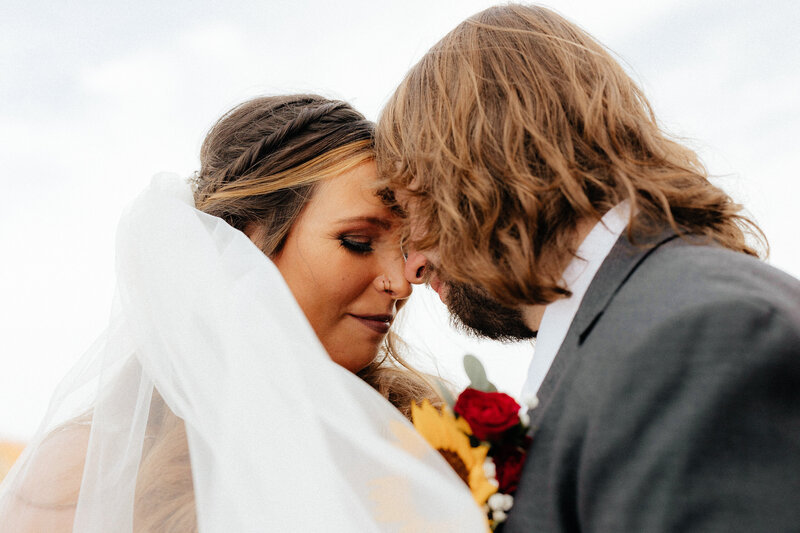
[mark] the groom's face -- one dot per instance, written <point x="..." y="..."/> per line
<point x="471" y="309"/>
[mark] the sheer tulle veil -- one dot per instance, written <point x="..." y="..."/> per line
<point x="279" y="437"/>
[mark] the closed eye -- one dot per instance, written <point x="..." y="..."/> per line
<point x="359" y="245"/>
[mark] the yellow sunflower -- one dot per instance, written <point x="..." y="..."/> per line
<point x="450" y="437"/>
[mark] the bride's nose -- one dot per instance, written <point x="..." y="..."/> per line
<point x="396" y="286"/>
<point x="393" y="282"/>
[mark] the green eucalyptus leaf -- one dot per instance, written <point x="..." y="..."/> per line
<point x="477" y="374"/>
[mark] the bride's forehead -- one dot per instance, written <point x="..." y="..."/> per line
<point x="353" y="192"/>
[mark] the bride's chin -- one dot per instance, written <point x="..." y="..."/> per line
<point x="358" y="356"/>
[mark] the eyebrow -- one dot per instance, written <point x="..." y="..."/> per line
<point x="375" y="221"/>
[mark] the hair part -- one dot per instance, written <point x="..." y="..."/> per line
<point x="515" y="127"/>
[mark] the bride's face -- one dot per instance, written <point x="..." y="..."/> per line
<point x="340" y="259"/>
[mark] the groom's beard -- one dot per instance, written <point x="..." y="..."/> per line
<point x="473" y="311"/>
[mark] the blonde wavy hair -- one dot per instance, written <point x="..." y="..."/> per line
<point x="515" y="127"/>
<point x="260" y="165"/>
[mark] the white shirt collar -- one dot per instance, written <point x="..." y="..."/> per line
<point x="577" y="277"/>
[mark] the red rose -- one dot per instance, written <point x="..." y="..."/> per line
<point x="509" y="461"/>
<point x="489" y="414"/>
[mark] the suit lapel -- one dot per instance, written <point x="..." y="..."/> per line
<point x="621" y="262"/>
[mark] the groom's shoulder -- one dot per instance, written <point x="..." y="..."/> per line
<point x="689" y="302"/>
<point x="696" y="352"/>
<point x="688" y="320"/>
<point x="687" y="276"/>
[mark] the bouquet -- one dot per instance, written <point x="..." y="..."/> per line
<point x="483" y="435"/>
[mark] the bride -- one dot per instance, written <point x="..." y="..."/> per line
<point x="235" y="387"/>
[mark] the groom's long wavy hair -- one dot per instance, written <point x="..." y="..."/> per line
<point x="516" y="126"/>
<point x="260" y="165"/>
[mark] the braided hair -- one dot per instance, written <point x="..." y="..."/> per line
<point x="261" y="161"/>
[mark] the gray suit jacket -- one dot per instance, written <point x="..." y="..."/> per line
<point x="674" y="402"/>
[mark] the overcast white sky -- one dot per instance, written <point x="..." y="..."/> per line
<point x="97" y="96"/>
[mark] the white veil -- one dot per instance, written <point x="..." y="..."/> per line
<point x="279" y="436"/>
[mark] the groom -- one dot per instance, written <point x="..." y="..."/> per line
<point x="544" y="201"/>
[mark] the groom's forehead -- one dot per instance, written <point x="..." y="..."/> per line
<point x="414" y="187"/>
<point x="412" y="198"/>
<point x="405" y="199"/>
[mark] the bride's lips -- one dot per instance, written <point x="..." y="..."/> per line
<point x="377" y="323"/>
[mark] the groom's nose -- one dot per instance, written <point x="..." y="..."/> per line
<point x="416" y="264"/>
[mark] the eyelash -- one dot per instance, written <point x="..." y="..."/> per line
<point x="355" y="246"/>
